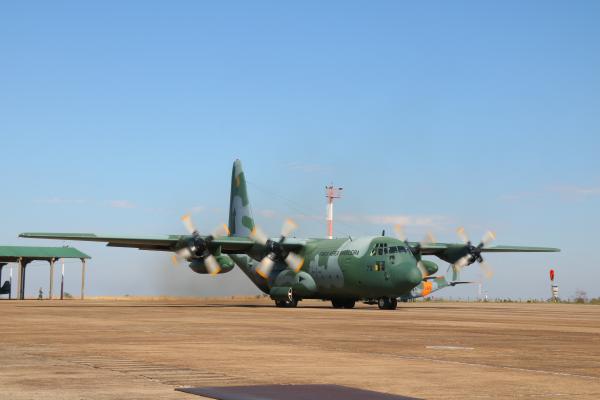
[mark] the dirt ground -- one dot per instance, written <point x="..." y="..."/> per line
<point x="143" y="349"/>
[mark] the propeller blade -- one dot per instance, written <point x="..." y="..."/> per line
<point x="187" y="222"/>
<point x="258" y="236"/>
<point x="265" y="267"/>
<point x="174" y="260"/>
<point x="288" y="227"/>
<point x="221" y="230"/>
<point x="462" y="234"/>
<point x="400" y="234"/>
<point x="422" y="269"/>
<point x="294" y="261"/>
<point x="212" y="265"/>
<point x="429" y="238"/>
<point x="487" y="238"/>
<point x="184" y="253"/>
<point x="487" y="269"/>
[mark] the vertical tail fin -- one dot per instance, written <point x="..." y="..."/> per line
<point x="241" y="222"/>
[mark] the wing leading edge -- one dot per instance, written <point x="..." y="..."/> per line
<point x="435" y="248"/>
<point x="453" y="252"/>
<point x="228" y="244"/>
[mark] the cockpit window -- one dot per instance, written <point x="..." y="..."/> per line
<point x="374" y="251"/>
<point x="383" y="249"/>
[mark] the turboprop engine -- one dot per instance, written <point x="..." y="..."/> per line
<point x="197" y="249"/>
<point x="430" y="267"/>
<point x="199" y="266"/>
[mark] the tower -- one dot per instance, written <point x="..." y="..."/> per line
<point x="553" y="287"/>
<point x="331" y="193"/>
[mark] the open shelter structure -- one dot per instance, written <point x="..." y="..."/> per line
<point x="24" y="255"/>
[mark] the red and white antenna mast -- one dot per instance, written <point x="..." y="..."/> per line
<point x="331" y="193"/>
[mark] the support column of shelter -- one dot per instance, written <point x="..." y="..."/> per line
<point x="62" y="279"/>
<point x="82" y="278"/>
<point x="51" y="285"/>
<point x="18" y="279"/>
<point x="2" y="281"/>
<point x="21" y="286"/>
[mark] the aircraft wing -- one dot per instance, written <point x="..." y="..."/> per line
<point x="520" y="249"/>
<point x="228" y="244"/>
<point x="437" y="248"/>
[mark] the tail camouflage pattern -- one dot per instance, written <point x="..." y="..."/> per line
<point x="241" y="222"/>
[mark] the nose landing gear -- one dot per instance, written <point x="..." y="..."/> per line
<point x="387" y="303"/>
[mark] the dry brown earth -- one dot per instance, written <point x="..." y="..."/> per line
<point x="106" y="349"/>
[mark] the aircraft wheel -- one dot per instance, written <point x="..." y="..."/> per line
<point x="385" y="303"/>
<point x="393" y="303"/>
<point x="337" y="303"/>
<point x="286" y="303"/>
<point x="280" y="303"/>
<point x="349" y="304"/>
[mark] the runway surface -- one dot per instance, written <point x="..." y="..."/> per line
<point x="134" y="349"/>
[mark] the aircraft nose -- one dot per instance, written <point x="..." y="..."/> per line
<point x="409" y="276"/>
<point x="414" y="276"/>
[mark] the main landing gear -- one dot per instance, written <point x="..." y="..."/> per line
<point x="286" y="303"/>
<point x="387" y="303"/>
<point x="342" y="303"/>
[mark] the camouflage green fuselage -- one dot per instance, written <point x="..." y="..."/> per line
<point x="365" y="267"/>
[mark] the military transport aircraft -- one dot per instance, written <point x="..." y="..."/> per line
<point x="341" y="270"/>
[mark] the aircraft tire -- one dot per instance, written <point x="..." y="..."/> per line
<point x="385" y="303"/>
<point x="286" y="303"/>
<point x="349" y="304"/>
<point x="337" y="303"/>
<point x="279" y="303"/>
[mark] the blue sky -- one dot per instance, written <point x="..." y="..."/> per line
<point x="120" y="117"/>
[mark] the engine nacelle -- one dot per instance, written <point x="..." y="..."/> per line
<point x="430" y="266"/>
<point x="224" y="261"/>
